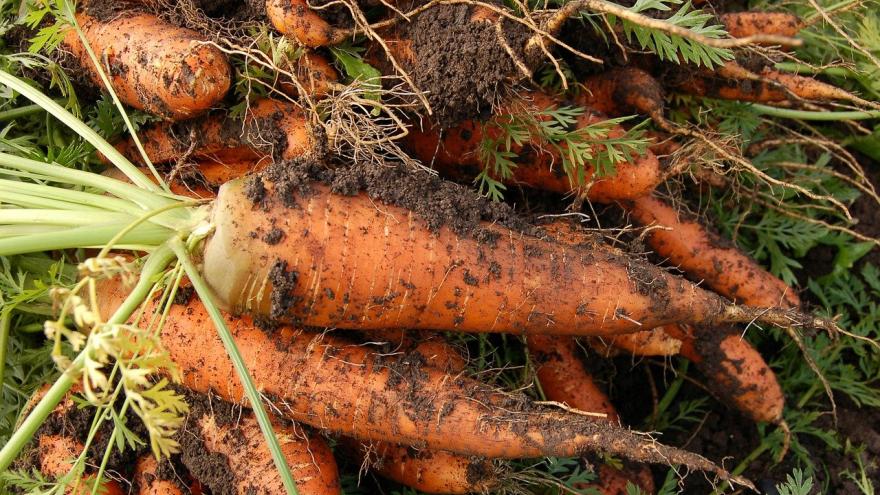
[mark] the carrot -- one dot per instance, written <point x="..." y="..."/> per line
<point x="420" y="469"/>
<point x="707" y="257"/>
<point x="564" y="378"/>
<point x="55" y="453"/>
<point x="454" y="152"/>
<point x="149" y="482"/>
<point x="337" y="385"/>
<point x="270" y="128"/>
<point x="623" y="91"/>
<point x="654" y="342"/>
<point x="427" y="471"/>
<point x="153" y="66"/>
<point x="745" y="24"/>
<point x="296" y="18"/>
<point x="315" y="73"/>
<point x="767" y="86"/>
<point x="736" y="370"/>
<point x="340" y="261"/>
<point x="240" y="442"/>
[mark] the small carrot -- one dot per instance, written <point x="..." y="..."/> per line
<point x="654" y="342"/>
<point x="335" y="384"/>
<point x="455" y="152"/>
<point x="564" y="378"/>
<point x="153" y="66"/>
<point x="242" y="445"/>
<point x="745" y="24"/>
<point x="296" y="18"/>
<point x="314" y="72"/>
<point x="148" y="481"/>
<point x="269" y="128"/>
<point x="707" y="257"/>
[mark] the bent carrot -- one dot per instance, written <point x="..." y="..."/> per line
<point x="331" y="383"/>
<point x="454" y="152"/>
<point x="269" y="128"/>
<point x="153" y="66"/>
<point x="745" y="24"/>
<point x="242" y="444"/>
<point x="396" y="273"/>
<point x="296" y="18"/>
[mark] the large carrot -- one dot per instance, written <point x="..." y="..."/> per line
<point x="341" y="261"/>
<point x="337" y="385"/>
<point x="240" y="442"/>
<point x="455" y="152"/>
<point x="269" y="128"/>
<point x="153" y="66"/>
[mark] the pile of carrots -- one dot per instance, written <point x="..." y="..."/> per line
<point x="288" y="259"/>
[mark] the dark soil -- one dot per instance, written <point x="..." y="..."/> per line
<point x="460" y="63"/>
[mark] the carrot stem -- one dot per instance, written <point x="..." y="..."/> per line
<point x="17" y="113"/>
<point x="788" y="113"/>
<point x="155" y="264"/>
<point x="79" y="127"/>
<point x="205" y="294"/>
<point x="5" y="317"/>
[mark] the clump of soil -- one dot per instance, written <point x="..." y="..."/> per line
<point x="460" y="63"/>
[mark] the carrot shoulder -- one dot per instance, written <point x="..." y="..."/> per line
<point x="154" y="66"/>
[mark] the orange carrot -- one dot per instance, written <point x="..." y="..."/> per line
<point x="707" y="257"/>
<point x="623" y="91"/>
<point x="149" y="482"/>
<point x="326" y="381"/>
<point x="395" y="273"/>
<point x="565" y="379"/>
<point x="296" y="18"/>
<point x="455" y="152"/>
<point x="654" y="342"/>
<point x="153" y="66"/>
<point x="314" y="72"/>
<point x="55" y="453"/>
<point x="270" y="128"/>
<point x="744" y="24"/>
<point x="241" y="443"/>
<point x="421" y="469"/>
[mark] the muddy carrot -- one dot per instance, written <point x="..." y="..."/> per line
<point x="250" y="468"/>
<point x="269" y="128"/>
<point x="707" y="257"/>
<point x="340" y="261"/>
<point x="153" y="66"/>
<point x="337" y="385"/>
<point x="297" y="19"/>
<point x="744" y="24"/>
<point x="149" y="481"/>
